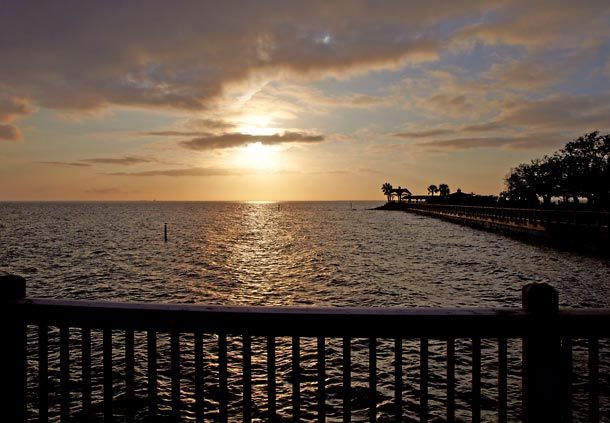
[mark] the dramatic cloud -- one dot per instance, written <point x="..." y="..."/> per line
<point x="483" y="127"/>
<point x="195" y="128"/>
<point x="9" y="133"/>
<point x="423" y="134"/>
<point x="59" y="163"/>
<point x="527" y="74"/>
<point x="432" y="133"/>
<point x="125" y="161"/>
<point x="121" y="161"/>
<point x="238" y="139"/>
<point x="316" y="100"/>
<point x="140" y="86"/>
<point x="177" y="134"/>
<point x="72" y="55"/>
<point x="523" y="124"/>
<point x="571" y="112"/>
<point x="530" y="141"/>
<point x="208" y="125"/>
<point x="11" y="108"/>
<point x="193" y="171"/>
<point x="536" y="25"/>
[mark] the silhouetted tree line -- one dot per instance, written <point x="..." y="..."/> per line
<point x="579" y="170"/>
<point x="443" y="190"/>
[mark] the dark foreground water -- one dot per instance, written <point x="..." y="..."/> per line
<point x="310" y="253"/>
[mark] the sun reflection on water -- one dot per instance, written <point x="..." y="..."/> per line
<point x="260" y="254"/>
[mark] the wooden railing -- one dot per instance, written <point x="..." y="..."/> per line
<point x="75" y="375"/>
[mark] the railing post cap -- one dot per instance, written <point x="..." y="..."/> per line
<point x="13" y="287"/>
<point x="540" y="298"/>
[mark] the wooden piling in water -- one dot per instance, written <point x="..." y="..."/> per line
<point x="165" y="233"/>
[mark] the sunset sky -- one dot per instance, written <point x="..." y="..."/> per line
<point x="290" y="100"/>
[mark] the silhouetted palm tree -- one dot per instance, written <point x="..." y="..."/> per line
<point x="432" y="189"/>
<point x="387" y="190"/>
<point x="443" y="190"/>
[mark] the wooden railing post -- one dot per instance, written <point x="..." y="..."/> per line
<point x="13" y="351"/>
<point x="541" y="357"/>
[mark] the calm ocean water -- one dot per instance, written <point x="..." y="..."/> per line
<point x="302" y="253"/>
<point x="315" y="253"/>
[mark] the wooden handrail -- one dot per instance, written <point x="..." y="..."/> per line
<point x="313" y="321"/>
<point x="540" y="325"/>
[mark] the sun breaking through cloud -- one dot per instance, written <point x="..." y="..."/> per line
<point x="405" y="91"/>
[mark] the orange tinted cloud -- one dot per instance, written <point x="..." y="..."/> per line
<point x="239" y="139"/>
<point x="11" y="107"/>
<point x="81" y="56"/>
<point x="10" y="133"/>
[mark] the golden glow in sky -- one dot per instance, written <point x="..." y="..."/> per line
<point x="311" y="100"/>
<point x="257" y="156"/>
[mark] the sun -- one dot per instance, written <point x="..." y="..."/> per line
<point x="256" y="155"/>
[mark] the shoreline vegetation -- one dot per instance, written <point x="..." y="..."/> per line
<point x="562" y="199"/>
<point x="576" y="177"/>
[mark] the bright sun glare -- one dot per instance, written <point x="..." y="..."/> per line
<point x="257" y="156"/>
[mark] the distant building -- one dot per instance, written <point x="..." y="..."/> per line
<point x="401" y="194"/>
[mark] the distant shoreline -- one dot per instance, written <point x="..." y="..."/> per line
<point x="571" y="230"/>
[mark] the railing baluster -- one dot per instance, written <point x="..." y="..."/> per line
<point x="43" y="373"/>
<point x="86" y="370"/>
<point x="129" y="374"/>
<point x="476" y="380"/>
<point x="152" y="373"/>
<point x="199" y="380"/>
<point x="593" y="365"/>
<point x="296" y="379"/>
<point x="423" y="380"/>
<point x="450" y="380"/>
<point x="321" y="379"/>
<point x="373" y="380"/>
<point x="527" y="324"/>
<point x="271" y="377"/>
<point x="566" y="379"/>
<point x="64" y="372"/>
<point x="502" y="379"/>
<point x="223" y="397"/>
<point x="107" y="364"/>
<point x="175" y="370"/>
<point x="247" y="377"/>
<point x="398" y="380"/>
<point x="346" y="380"/>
